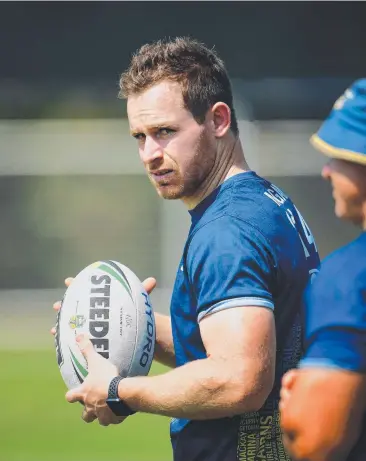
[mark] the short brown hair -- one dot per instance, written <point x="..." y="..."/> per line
<point x="199" y="70"/>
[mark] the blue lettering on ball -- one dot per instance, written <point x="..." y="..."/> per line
<point x="148" y="346"/>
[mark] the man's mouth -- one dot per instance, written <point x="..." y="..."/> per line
<point x="159" y="175"/>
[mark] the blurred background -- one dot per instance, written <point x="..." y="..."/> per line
<point x="72" y="189"/>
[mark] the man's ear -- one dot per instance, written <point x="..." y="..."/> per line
<point x="221" y="119"/>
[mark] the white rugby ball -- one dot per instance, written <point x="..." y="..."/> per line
<point x="108" y="302"/>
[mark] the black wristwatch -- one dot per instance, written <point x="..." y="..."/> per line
<point x="118" y="406"/>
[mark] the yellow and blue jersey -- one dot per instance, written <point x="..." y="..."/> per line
<point x="335" y="328"/>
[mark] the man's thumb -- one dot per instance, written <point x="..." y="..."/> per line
<point x="85" y="346"/>
<point x="149" y="284"/>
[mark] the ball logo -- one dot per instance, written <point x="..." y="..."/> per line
<point x="77" y="321"/>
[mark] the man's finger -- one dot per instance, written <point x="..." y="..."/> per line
<point x="149" y="284"/>
<point x="105" y="419"/>
<point x="86" y="347"/>
<point x="57" y="305"/>
<point x="53" y="331"/>
<point x="68" y="281"/>
<point x="88" y="416"/>
<point x="74" y="395"/>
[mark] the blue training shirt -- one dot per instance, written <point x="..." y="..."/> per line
<point x="335" y="306"/>
<point x="247" y="246"/>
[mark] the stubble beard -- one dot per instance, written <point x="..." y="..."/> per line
<point x="194" y="178"/>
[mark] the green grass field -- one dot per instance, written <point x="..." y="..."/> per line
<point x="37" y="424"/>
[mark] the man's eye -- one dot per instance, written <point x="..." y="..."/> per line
<point x="139" y="136"/>
<point x="165" y="132"/>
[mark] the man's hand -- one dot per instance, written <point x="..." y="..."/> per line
<point x="94" y="390"/>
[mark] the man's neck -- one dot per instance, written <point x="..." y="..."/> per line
<point x="230" y="162"/>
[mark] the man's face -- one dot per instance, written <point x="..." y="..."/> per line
<point x="176" y="151"/>
<point x="349" y="188"/>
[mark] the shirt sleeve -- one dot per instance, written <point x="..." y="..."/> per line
<point x="335" y="307"/>
<point x="230" y="264"/>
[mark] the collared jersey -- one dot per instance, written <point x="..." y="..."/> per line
<point x="247" y="246"/>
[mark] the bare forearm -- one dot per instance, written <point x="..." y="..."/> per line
<point x="319" y="425"/>
<point x="164" y="347"/>
<point x="203" y="389"/>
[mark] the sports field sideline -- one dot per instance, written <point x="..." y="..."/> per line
<point x="36" y="423"/>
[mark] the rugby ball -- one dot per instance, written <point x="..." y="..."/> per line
<point x="108" y="302"/>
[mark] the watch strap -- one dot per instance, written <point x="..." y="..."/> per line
<point x="118" y="406"/>
<point x="113" y="388"/>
